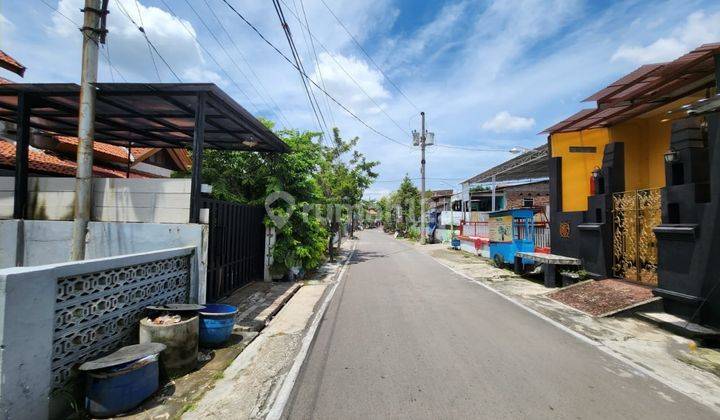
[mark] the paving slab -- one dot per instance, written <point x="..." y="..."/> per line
<point x="248" y="387"/>
<point x="259" y="301"/>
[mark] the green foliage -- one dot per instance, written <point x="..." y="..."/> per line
<point x="312" y="173"/>
<point x="401" y="208"/>
<point x="249" y="177"/>
<point x="343" y="179"/>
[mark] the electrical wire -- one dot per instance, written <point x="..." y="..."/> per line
<point x="147" y="39"/>
<point x="298" y="64"/>
<point x="317" y="61"/>
<point x="212" y="34"/>
<point x="281" y="114"/>
<point x="471" y="149"/>
<point x="152" y="57"/>
<point x="369" y="57"/>
<point x="106" y="51"/>
<point x="351" y="77"/>
<point x="360" y="120"/>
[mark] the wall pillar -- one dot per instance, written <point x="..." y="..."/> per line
<point x="27" y="323"/>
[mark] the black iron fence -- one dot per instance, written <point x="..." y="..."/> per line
<point x="236" y="246"/>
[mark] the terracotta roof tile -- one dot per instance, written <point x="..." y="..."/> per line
<point x="103" y="151"/>
<point x="11" y="64"/>
<point x="42" y="162"/>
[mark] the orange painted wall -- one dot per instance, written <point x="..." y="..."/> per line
<point x="577" y="167"/>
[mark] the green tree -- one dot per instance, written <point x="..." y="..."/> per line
<point x="343" y="180"/>
<point x="249" y="177"/>
<point x="401" y="207"/>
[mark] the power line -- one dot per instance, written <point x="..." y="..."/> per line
<point x="352" y="78"/>
<point x="369" y="57"/>
<point x="281" y="115"/>
<point x="212" y="34"/>
<point x="298" y="64"/>
<point x="471" y="149"/>
<point x="152" y="57"/>
<point x="317" y="62"/>
<point x="142" y="30"/>
<point x="371" y="128"/>
<point x="417" y="178"/>
<point x="107" y="50"/>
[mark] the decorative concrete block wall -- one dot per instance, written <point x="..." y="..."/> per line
<point x="55" y="317"/>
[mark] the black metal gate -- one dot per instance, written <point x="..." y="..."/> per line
<point x="236" y="246"/>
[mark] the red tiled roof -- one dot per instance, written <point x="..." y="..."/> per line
<point x="42" y="162"/>
<point x="11" y="64"/>
<point x="103" y="151"/>
<point x="141" y="153"/>
<point x="649" y="87"/>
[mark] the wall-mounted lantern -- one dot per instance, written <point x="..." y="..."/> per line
<point x="671" y="156"/>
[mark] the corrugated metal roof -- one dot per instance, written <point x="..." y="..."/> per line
<point x="648" y="87"/>
<point x="145" y="114"/>
<point x="532" y="164"/>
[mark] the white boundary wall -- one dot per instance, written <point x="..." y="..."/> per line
<point x="40" y="242"/>
<point x="115" y="199"/>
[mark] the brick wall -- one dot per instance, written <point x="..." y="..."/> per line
<point x="539" y="192"/>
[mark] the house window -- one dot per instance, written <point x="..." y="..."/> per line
<point x="528" y="202"/>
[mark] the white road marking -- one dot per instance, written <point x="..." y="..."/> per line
<point x="283" y="395"/>
<point x="640" y="370"/>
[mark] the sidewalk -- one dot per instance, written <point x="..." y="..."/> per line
<point x="248" y="387"/>
<point x="664" y="355"/>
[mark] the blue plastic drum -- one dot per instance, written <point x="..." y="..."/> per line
<point x="216" y="324"/>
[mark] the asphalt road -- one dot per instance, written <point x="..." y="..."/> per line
<point x="405" y="337"/>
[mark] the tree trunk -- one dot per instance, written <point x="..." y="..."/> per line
<point x="352" y="223"/>
<point x="331" y="250"/>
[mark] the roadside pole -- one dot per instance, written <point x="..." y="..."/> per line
<point x="93" y="12"/>
<point x="423" y="234"/>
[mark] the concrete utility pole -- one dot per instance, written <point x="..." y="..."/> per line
<point x="423" y="234"/>
<point x="93" y="12"/>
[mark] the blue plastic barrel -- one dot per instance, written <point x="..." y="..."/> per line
<point x="216" y="324"/>
<point x="111" y="393"/>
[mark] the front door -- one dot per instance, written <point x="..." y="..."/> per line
<point x="635" y="214"/>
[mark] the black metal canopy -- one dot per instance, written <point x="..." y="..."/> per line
<point x="164" y="115"/>
<point x="144" y="114"/>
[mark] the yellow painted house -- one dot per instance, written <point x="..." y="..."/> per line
<point x="635" y="181"/>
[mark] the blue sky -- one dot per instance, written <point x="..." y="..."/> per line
<point x="488" y="74"/>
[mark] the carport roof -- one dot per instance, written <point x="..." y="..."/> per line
<point x="144" y="114"/>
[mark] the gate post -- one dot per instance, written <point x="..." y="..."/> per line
<point x="269" y="245"/>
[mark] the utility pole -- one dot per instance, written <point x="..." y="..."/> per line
<point x="94" y="11"/>
<point x="422" y="139"/>
<point x="423" y="235"/>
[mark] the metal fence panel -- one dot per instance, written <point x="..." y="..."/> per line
<point x="236" y="246"/>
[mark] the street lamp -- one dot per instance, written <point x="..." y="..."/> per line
<point x="519" y="149"/>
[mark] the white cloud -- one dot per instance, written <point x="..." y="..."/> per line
<point x="342" y="83"/>
<point x="174" y="38"/>
<point x="504" y="122"/>
<point x="699" y="28"/>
